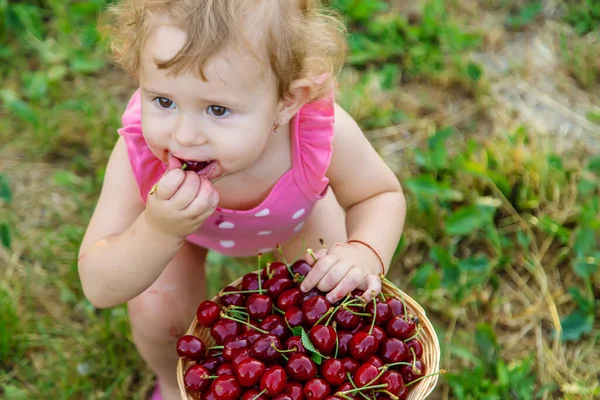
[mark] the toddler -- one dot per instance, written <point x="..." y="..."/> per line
<point x="230" y="144"/>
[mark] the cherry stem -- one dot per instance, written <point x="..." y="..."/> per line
<point x="356" y="313"/>
<point x="366" y="387"/>
<point x="354" y="385"/>
<point x="389" y="394"/>
<point x="312" y="254"/>
<point x="223" y="315"/>
<point x="259" y="278"/>
<point x="283" y="351"/>
<point x="298" y="278"/>
<point x="383" y="278"/>
<point x="387" y="366"/>
<point x="382" y="296"/>
<point x="215" y="348"/>
<point x="337" y="339"/>
<point x="329" y="311"/>
<point x="414" y="360"/>
<point x="221" y="294"/>
<point x="278" y="310"/>
<point x="441" y="371"/>
<point x="184" y="166"/>
<point x="374" y="312"/>
<point x="415" y="335"/>
<point x="208" y="376"/>
<point x="260" y="394"/>
<point x="280" y="250"/>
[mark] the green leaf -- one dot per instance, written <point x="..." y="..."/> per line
<point x="307" y="343"/>
<point x="437" y="145"/>
<point x="594" y="165"/>
<point x="584" y="241"/>
<point x="486" y="342"/>
<point x="593" y="117"/>
<point x="576" y="325"/>
<point x="297" y="331"/>
<point x="474" y="264"/>
<point x="5" y="191"/>
<point x="467" y="220"/>
<point x="18" y="107"/>
<point x="587" y="266"/>
<point x="317" y="358"/>
<point x="5" y="237"/>
<point x="85" y="65"/>
<point x="474" y="71"/>
<point x="426" y="186"/>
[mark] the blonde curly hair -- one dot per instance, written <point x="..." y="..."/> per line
<point x="300" y="38"/>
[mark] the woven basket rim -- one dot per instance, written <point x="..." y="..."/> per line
<point x="431" y="347"/>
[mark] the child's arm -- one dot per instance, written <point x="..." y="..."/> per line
<point x="375" y="213"/>
<point x="127" y="246"/>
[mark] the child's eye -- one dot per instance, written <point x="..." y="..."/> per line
<point x="217" y="111"/>
<point x="163" y="102"/>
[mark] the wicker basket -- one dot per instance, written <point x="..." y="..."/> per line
<point x="427" y="337"/>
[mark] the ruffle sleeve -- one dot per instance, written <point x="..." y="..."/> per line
<point x="147" y="169"/>
<point x="314" y="134"/>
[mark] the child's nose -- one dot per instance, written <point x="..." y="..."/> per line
<point x="188" y="132"/>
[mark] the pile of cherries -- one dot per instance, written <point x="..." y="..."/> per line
<point x="274" y="341"/>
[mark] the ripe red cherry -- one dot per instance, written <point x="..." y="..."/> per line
<point x="226" y="387"/>
<point x="277" y="285"/>
<point x="191" y="347"/>
<point x="416" y="346"/>
<point x="273" y="381"/>
<point x="362" y="345"/>
<point x="251" y="335"/>
<point x="333" y="371"/>
<point x="383" y="312"/>
<point x="343" y="340"/>
<point x="249" y="371"/>
<point x="233" y="345"/>
<point x="347" y="386"/>
<point x="316" y="389"/>
<point x="373" y="359"/>
<point x="295" y="342"/>
<point x="365" y="375"/>
<point x="346" y="319"/>
<point x="239" y="358"/>
<point x="208" y="313"/>
<point x="323" y="338"/>
<point x="293" y="316"/>
<point x="210" y="363"/>
<point x="301" y="267"/>
<point x="225" y="369"/>
<point x="224" y="329"/>
<point x="236" y="299"/>
<point x="282" y="396"/>
<point x="393" y="350"/>
<point x="250" y="281"/>
<point x="195" y="378"/>
<point x="396" y="306"/>
<point x="411" y="372"/>
<point x="277" y="269"/>
<point x="351" y="365"/>
<point x="295" y="391"/>
<point x="378" y="332"/>
<point x="275" y="325"/>
<point x="300" y="367"/>
<point x="311" y="293"/>
<point x="400" y="328"/>
<point x="259" y="305"/>
<point x="394" y="381"/>
<point x="313" y="309"/>
<point x="263" y="350"/>
<point x="289" y="298"/>
<point x="254" y="394"/>
<point x="208" y="395"/>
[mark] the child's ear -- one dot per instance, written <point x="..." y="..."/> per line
<point x="301" y="91"/>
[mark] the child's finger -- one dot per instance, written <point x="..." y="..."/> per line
<point x="168" y="184"/>
<point x="347" y="284"/>
<point x="205" y="199"/>
<point x="333" y="277"/>
<point x="317" y="272"/>
<point x="187" y="191"/>
<point x="373" y="287"/>
<point x="319" y="254"/>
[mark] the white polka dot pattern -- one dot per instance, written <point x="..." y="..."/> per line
<point x="298" y="213"/>
<point x="264" y="233"/>
<point x="227" y="243"/>
<point x="299" y="226"/>
<point x="263" y="213"/>
<point x="226" y="225"/>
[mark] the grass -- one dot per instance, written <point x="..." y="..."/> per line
<point x="501" y="244"/>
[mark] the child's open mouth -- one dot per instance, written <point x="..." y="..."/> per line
<point x="196" y="166"/>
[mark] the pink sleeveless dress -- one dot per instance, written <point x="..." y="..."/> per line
<point x="282" y="213"/>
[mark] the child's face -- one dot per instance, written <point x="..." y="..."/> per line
<point x="226" y="121"/>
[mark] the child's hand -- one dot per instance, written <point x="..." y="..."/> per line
<point x="342" y="268"/>
<point x="181" y="201"/>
